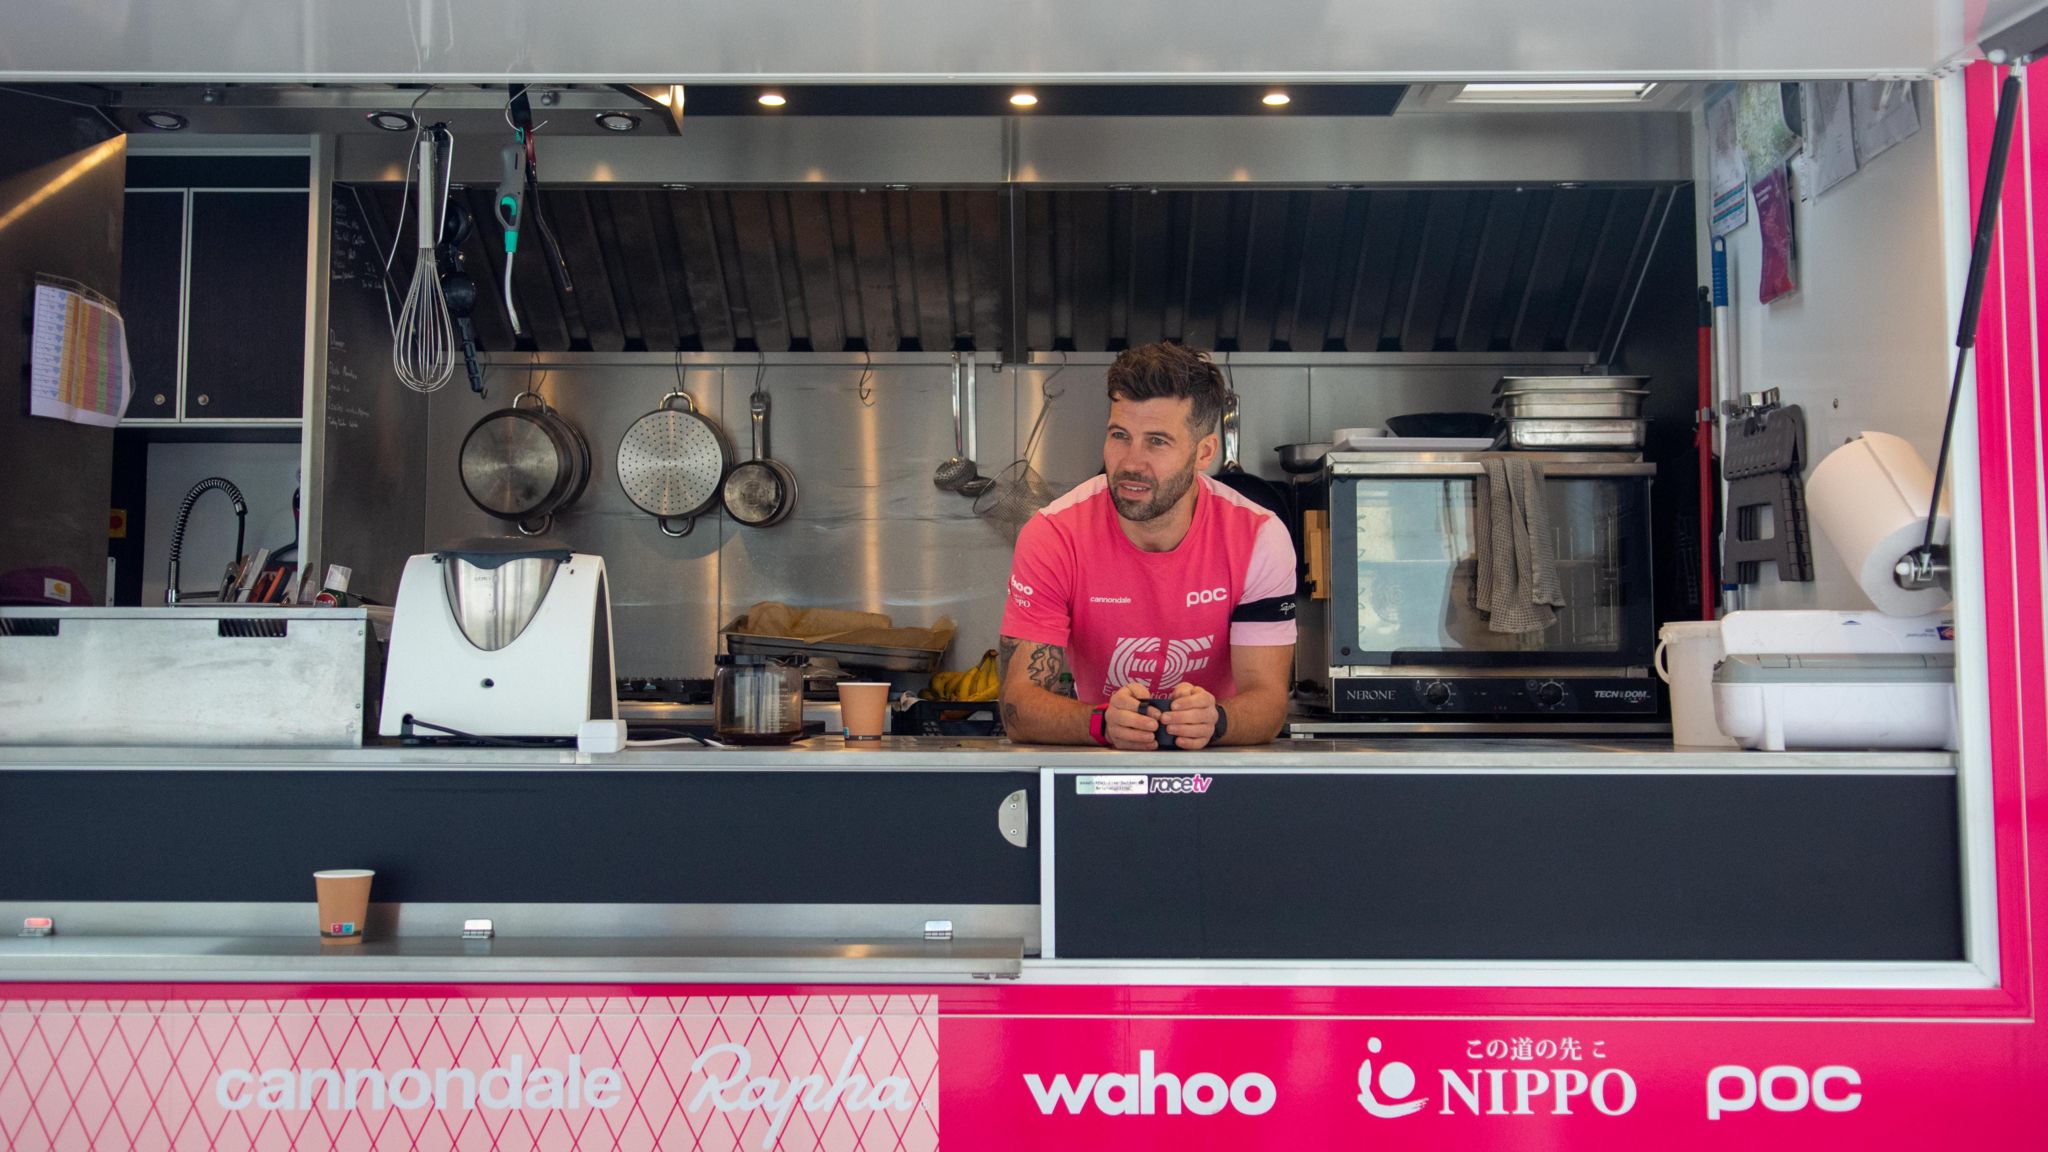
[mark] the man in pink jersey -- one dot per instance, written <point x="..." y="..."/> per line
<point x="1151" y="596"/>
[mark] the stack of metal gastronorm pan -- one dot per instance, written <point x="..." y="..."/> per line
<point x="1572" y="412"/>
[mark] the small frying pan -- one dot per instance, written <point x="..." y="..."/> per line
<point x="1265" y="493"/>
<point x="1259" y="490"/>
<point x="760" y="492"/>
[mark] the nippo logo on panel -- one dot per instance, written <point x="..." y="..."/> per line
<point x="1149" y="1092"/>
<point x="1390" y="1091"/>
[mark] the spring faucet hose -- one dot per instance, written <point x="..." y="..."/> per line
<point x="210" y="484"/>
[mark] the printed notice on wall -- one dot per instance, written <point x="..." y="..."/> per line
<point x="78" y="359"/>
<point x="1729" y="173"/>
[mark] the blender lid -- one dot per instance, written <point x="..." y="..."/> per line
<point x="497" y="551"/>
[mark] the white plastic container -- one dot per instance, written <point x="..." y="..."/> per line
<point x="1892" y="702"/>
<point x="1837" y="680"/>
<point x="1687" y="651"/>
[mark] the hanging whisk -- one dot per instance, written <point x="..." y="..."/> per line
<point x="423" y="340"/>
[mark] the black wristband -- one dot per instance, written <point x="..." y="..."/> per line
<point x="1222" y="725"/>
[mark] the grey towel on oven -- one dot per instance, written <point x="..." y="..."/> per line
<point x="1517" y="583"/>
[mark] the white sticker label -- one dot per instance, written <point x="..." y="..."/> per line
<point x="1110" y="785"/>
<point x="57" y="590"/>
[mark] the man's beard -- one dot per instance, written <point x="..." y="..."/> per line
<point x="1165" y="494"/>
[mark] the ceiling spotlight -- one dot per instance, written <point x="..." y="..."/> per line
<point x="617" y="121"/>
<point x="390" y="121"/>
<point x="1023" y="99"/>
<point x="772" y="100"/>
<point x="163" y="121"/>
<point x="1275" y="99"/>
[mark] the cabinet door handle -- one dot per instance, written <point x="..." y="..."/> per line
<point x="159" y="399"/>
<point x="202" y="400"/>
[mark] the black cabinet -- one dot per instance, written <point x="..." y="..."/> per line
<point x="245" y="342"/>
<point x="152" y="283"/>
<point x="214" y="295"/>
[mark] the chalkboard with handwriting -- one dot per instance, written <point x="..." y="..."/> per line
<point x="374" y="508"/>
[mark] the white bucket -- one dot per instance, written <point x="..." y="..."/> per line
<point x="1687" y="651"/>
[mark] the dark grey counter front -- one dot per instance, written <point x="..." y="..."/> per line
<point x="661" y="864"/>
<point x="1693" y="867"/>
<point x="588" y="835"/>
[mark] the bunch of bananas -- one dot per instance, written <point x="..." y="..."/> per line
<point x="981" y="682"/>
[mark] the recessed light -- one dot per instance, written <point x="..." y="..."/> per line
<point x="1023" y="99"/>
<point x="1543" y="93"/>
<point x="772" y="99"/>
<point x="390" y="121"/>
<point x="617" y="121"/>
<point x="164" y="121"/>
<point x="1275" y="99"/>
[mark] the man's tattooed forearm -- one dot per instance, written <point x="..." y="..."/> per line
<point x="1006" y="647"/>
<point x="1010" y="716"/>
<point x="1048" y="669"/>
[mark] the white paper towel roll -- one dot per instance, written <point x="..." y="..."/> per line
<point x="1869" y="498"/>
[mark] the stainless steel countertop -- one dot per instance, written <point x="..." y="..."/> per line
<point x="606" y="960"/>
<point x="957" y="754"/>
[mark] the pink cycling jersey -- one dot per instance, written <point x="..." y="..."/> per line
<point x="1157" y="618"/>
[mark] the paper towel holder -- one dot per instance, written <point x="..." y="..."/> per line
<point x="1927" y="566"/>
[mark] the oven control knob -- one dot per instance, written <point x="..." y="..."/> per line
<point x="1436" y="694"/>
<point x="1549" y="694"/>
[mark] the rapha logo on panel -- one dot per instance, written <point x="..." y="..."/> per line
<point x="1149" y="1092"/>
<point x="738" y="1090"/>
<point x="1390" y="1091"/>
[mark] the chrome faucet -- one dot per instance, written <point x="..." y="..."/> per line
<point x="171" y="593"/>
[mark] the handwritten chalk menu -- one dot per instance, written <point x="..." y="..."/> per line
<point x="78" y="359"/>
<point x="375" y="426"/>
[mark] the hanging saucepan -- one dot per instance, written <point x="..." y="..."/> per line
<point x="672" y="463"/>
<point x="760" y="492"/>
<point x="524" y="464"/>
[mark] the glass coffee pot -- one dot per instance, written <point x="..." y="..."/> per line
<point x="757" y="700"/>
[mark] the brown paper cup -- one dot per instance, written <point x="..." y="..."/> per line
<point x="863" y="709"/>
<point x="344" y="904"/>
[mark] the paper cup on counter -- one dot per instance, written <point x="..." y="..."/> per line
<point x="344" y="895"/>
<point x="863" y="709"/>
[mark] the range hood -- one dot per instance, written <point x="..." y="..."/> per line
<point x="1407" y="269"/>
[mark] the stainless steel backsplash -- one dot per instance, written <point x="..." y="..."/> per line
<point x="869" y="531"/>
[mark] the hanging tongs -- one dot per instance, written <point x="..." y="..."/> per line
<point x="519" y="185"/>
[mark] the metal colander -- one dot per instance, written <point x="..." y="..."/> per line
<point x="671" y="463"/>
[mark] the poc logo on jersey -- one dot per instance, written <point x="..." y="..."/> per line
<point x="1148" y="1092"/>
<point x="1208" y="596"/>
<point x="1782" y="1088"/>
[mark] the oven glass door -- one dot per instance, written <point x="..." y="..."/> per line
<point x="1408" y="575"/>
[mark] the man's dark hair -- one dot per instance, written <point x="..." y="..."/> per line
<point x="1155" y="371"/>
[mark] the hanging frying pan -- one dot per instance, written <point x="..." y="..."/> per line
<point x="672" y="462"/>
<point x="524" y="464"/>
<point x="1265" y="493"/>
<point x="760" y="492"/>
<point x="1259" y="490"/>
